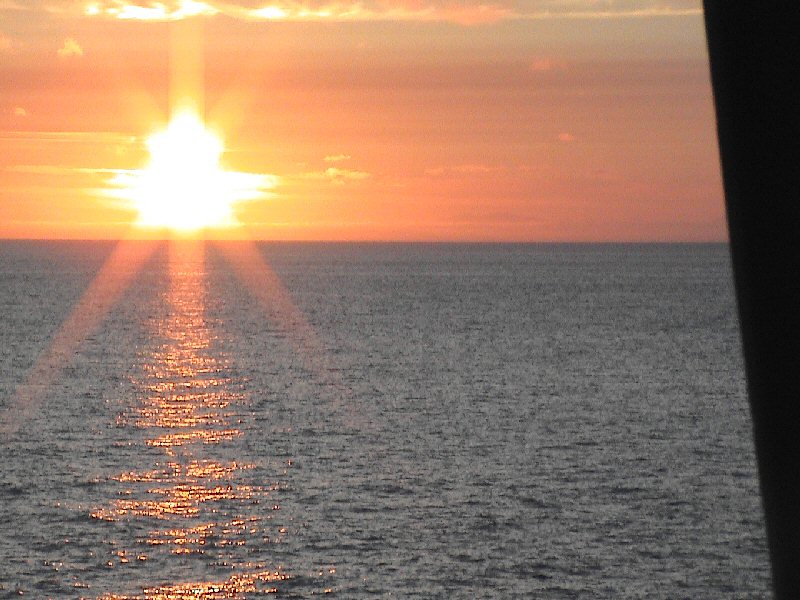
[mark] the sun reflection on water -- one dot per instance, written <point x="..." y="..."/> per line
<point x="233" y="587"/>
<point x="194" y="500"/>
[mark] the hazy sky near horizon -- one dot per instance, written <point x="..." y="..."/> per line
<point x="551" y="120"/>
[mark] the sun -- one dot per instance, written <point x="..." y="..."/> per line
<point x="184" y="188"/>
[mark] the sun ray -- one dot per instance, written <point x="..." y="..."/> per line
<point x="124" y="263"/>
<point x="263" y="284"/>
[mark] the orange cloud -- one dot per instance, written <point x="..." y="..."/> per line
<point x="475" y="168"/>
<point x="466" y="12"/>
<point x="337" y="157"/>
<point x="147" y="11"/>
<point x="333" y="175"/>
<point x="70" y="48"/>
<point x="341" y="176"/>
<point x="465" y="169"/>
<point x="566" y="137"/>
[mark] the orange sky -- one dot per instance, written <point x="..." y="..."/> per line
<point x="550" y="120"/>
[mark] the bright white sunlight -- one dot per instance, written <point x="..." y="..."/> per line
<point x="184" y="187"/>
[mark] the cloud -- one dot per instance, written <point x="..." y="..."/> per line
<point x="466" y="169"/>
<point x="60" y="170"/>
<point x="19" y="112"/>
<point x="475" y="168"/>
<point x="70" y="48"/>
<point x="69" y="136"/>
<point x="341" y="176"/>
<point x="334" y="175"/>
<point x="466" y="12"/>
<point x="152" y="11"/>
<point x="566" y="137"/>
<point x="5" y="43"/>
<point x="337" y="157"/>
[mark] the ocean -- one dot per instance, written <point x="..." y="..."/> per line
<point x="374" y="420"/>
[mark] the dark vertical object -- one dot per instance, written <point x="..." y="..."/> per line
<point x="755" y="69"/>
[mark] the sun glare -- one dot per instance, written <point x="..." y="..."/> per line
<point x="184" y="187"/>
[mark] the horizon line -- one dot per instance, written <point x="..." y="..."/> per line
<point x="373" y="241"/>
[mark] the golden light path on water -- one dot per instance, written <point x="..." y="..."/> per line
<point x="195" y="497"/>
<point x="192" y="498"/>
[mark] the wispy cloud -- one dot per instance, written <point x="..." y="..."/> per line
<point x="19" y="112"/>
<point x="465" y="169"/>
<point x="71" y="48"/>
<point x="466" y="12"/>
<point x="152" y="11"/>
<point x="6" y="44"/>
<point x="337" y="157"/>
<point x="69" y="136"/>
<point x="334" y="175"/>
<point x="61" y="170"/>
<point x="341" y="176"/>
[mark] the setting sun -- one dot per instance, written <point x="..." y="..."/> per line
<point x="184" y="187"/>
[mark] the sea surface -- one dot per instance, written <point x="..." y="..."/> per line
<point x="187" y="420"/>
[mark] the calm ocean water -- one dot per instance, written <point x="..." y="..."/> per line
<point x="421" y="421"/>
